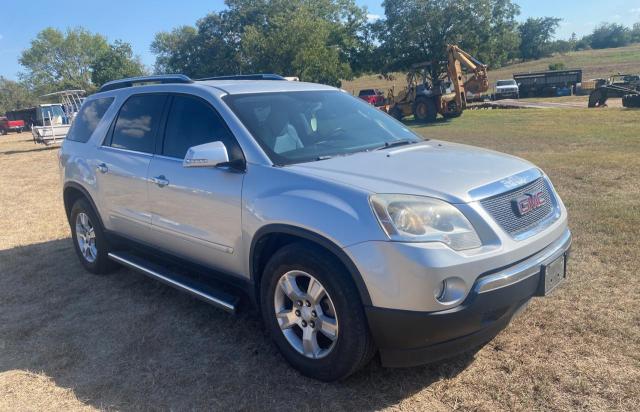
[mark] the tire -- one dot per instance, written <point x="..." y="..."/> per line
<point x="396" y="113"/>
<point x="597" y="98"/>
<point x="95" y="259"/>
<point x="425" y="110"/>
<point x="452" y="115"/>
<point x="631" y="100"/>
<point x="341" y="308"/>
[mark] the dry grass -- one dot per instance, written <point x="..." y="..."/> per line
<point x="70" y="340"/>
<point x="594" y="64"/>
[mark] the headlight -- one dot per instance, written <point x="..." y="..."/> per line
<point x="423" y="219"/>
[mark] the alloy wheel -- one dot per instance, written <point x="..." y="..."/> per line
<point x="306" y="314"/>
<point x="86" y="237"/>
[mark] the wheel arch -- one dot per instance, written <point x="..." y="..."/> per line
<point x="71" y="193"/>
<point x="271" y="237"/>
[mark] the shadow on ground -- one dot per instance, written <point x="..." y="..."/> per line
<point x="127" y="342"/>
<point x="35" y="149"/>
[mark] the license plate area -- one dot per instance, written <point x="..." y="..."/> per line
<point x="552" y="274"/>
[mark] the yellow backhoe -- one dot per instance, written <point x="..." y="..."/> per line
<point x="424" y="96"/>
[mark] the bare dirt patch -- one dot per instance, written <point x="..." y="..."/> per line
<point x="70" y="340"/>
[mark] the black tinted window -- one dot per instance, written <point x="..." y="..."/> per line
<point x="137" y="123"/>
<point x="88" y="118"/>
<point x="193" y="122"/>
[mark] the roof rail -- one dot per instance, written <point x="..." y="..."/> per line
<point x="257" y="76"/>
<point x="143" y="80"/>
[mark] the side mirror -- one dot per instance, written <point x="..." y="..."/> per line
<point x="206" y="155"/>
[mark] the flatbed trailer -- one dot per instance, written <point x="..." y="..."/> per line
<point x="546" y="83"/>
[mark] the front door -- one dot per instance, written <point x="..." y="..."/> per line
<point x="196" y="212"/>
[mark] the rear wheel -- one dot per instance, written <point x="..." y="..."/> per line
<point x="314" y="314"/>
<point x="89" y="240"/>
<point x="631" y="100"/>
<point x="425" y="110"/>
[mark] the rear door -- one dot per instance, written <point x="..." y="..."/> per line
<point x="196" y="211"/>
<point x="123" y="164"/>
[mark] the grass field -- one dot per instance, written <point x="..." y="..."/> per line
<point x="72" y="341"/>
<point x="594" y="64"/>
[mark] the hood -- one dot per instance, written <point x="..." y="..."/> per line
<point x="511" y="86"/>
<point x="443" y="170"/>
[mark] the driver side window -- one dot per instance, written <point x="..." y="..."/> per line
<point x="191" y="122"/>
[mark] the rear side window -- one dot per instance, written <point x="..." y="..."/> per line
<point x="138" y="122"/>
<point x="193" y="122"/>
<point x="88" y="118"/>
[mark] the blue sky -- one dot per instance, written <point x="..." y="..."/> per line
<point x="136" y="21"/>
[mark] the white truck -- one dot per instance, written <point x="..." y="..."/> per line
<point x="506" y="89"/>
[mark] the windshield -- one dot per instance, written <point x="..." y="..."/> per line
<point x="53" y="111"/>
<point x="295" y="127"/>
<point x="506" y="83"/>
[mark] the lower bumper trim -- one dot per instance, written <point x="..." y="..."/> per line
<point x="409" y="338"/>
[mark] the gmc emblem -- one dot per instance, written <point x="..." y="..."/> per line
<point x="528" y="202"/>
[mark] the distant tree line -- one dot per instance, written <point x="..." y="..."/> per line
<point x="329" y="40"/>
<point x="317" y="40"/>
<point x="75" y="59"/>
<point x="604" y="36"/>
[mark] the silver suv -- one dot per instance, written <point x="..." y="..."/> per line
<point x="350" y="234"/>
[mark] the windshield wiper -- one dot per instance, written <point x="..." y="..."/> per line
<point x="396" y="143"/>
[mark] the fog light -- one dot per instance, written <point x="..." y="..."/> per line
<point x="451" y="290"/>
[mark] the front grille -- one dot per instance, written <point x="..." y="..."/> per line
<point x="504" y="211"/>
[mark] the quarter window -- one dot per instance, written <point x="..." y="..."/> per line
<point x="137" y="123"/>
<point x="193" y="122"/>
<point x="88" y="118"/>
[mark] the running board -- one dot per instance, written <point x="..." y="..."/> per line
<point x="199" y="290"/>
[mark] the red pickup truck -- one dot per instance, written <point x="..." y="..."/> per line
<point x="372" y="96"/>
<point x="7" y="125"/>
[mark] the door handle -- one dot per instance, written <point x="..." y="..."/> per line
<point x="161" y="181"/>
<point x="102" y="168"/>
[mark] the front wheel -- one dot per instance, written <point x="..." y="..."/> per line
<point x="425" y="110"/>
<point x="313" y="312"/>
<point x="396" y="113"/>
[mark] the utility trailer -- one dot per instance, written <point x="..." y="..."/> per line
<point x="547" y="83"/>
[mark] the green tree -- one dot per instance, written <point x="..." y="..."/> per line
<point x="306" y="41"/>
<point x="635" y="32"/>
<point x="419" y="30"/>
<point x="14" y="95"/>
<point x="59" y="60"/>
<point x="610" y="35"/>
<point x="315" y="40"/>
<point x="208" y="49"/>
<point x="536" y="35"/>
<point x="116" y="62"/>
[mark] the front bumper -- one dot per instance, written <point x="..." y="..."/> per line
<point x="407" y="338"/>
<point x="502" y="95"/>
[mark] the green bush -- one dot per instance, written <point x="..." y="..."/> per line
<point x="557" y="66"/>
